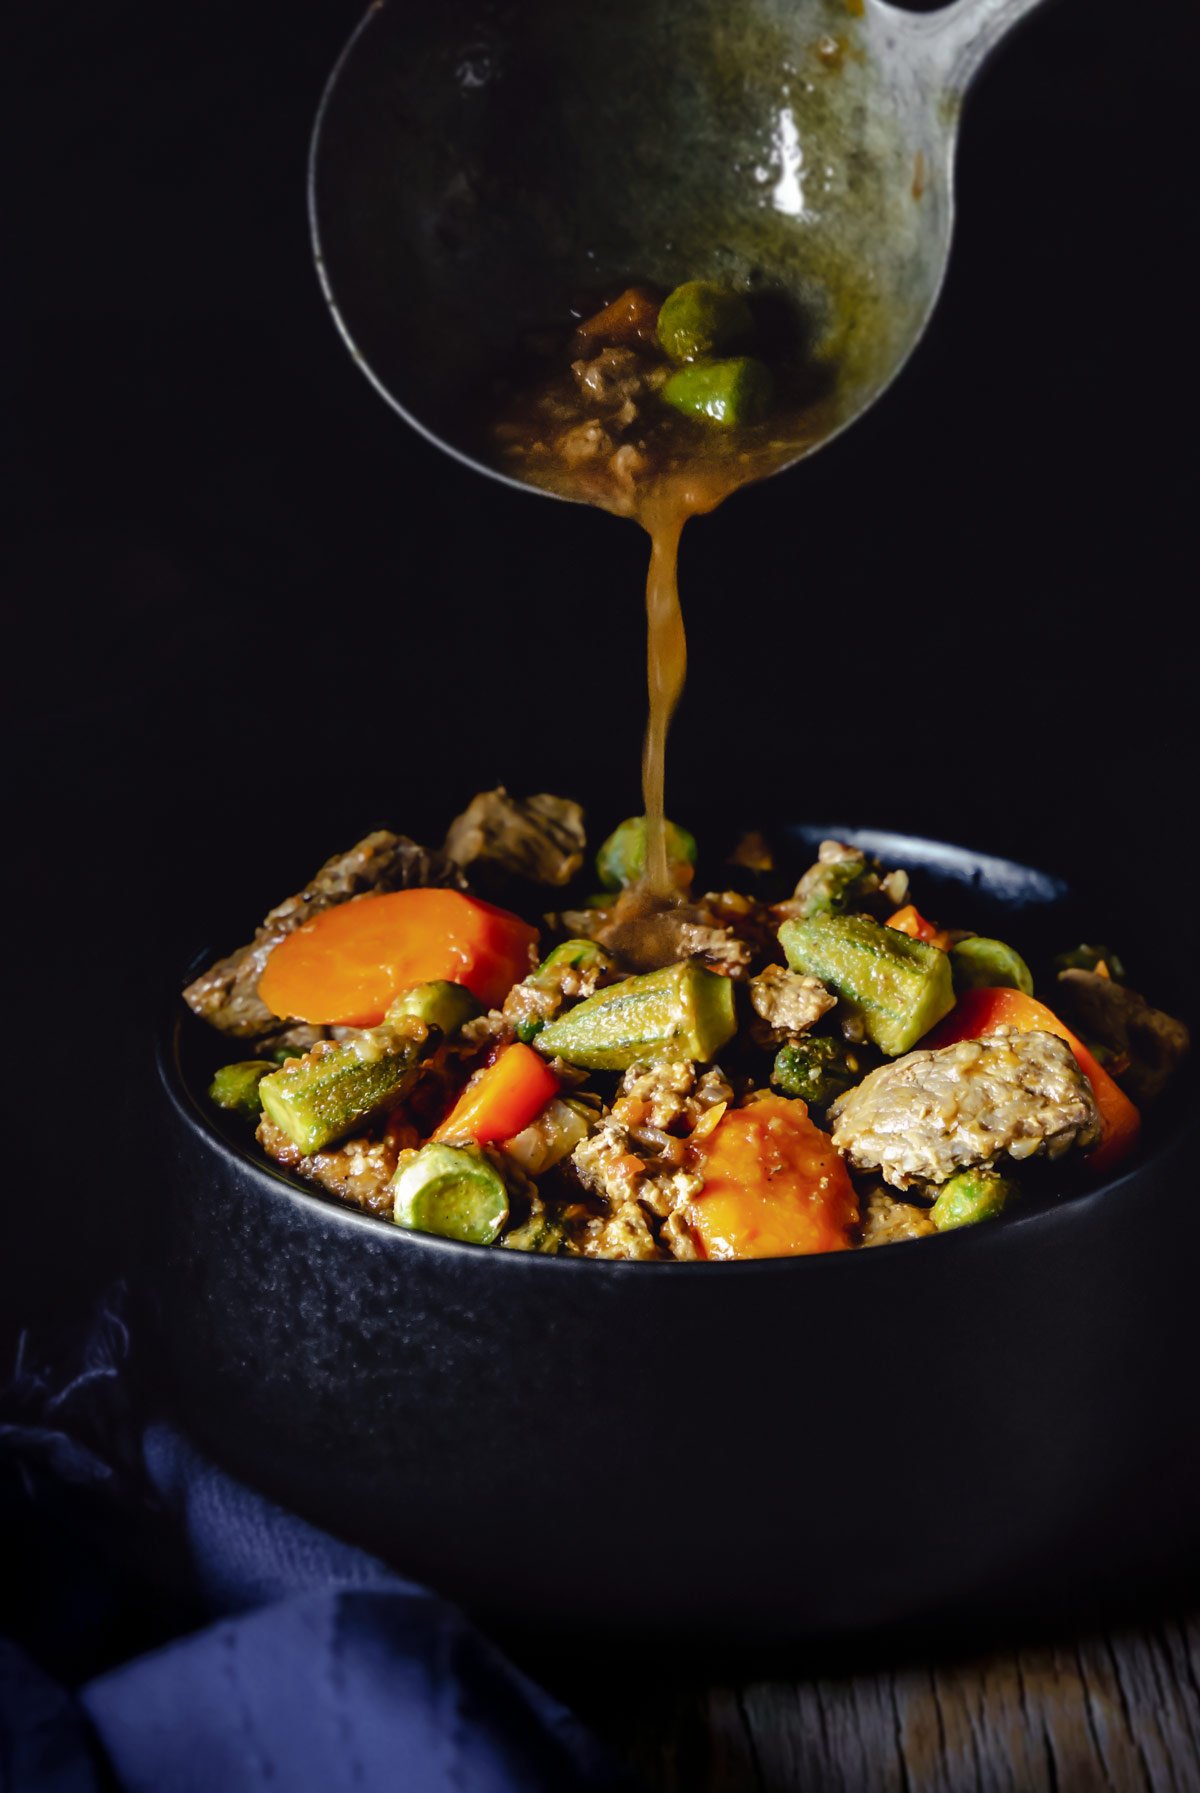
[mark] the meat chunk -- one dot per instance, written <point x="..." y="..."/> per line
<point x="787" y="1002"/>
<point x="541" y="838"/>
<point x="1149" y="1043"/>
<point x="226" y="995"/>
<point x="932" y="1113"/>
<point x="611" y="377"/>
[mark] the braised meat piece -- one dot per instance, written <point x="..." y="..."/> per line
<point x="539" y="838"/>
<point x="226" y="995"/>
<point x="932" y="1113"/>
<point x="1147" y="1044"/>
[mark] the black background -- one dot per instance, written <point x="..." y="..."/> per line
<point x="250" y="615"/>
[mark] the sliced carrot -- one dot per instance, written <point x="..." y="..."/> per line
<point x="631" y="317"/>
<point x="502" y="1100"/>
<point x="910" y="921"/>
<point x="348" y="963"/>
<point x="979" y="1012"/>
<point x="774" y="1187"/>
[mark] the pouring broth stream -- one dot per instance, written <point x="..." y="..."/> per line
<point x="590" y="416"/>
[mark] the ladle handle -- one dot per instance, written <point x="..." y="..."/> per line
<point x="960" y="36"/>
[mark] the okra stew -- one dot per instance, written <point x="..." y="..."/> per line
<point x="503" y="1042"/>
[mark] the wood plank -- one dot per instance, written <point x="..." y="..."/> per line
<point x="1114" y="1713"/>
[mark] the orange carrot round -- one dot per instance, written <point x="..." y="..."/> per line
<point x="979" y="1012"/>
<point x="502" y="1100"/>
<point x="346" y="965"/>
<point x="774" y="1187"/>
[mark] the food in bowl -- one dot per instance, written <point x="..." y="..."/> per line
<point x="760" y="1070"/>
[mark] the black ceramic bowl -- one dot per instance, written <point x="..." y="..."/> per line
<point x="976" y="1427"/>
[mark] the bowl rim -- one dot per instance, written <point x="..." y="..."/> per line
<point x="275" y="1182"/>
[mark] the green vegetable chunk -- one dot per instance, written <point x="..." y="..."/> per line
<point x="439" y="1004"/>
<point x="621" y="861"/>
<point x="729" y="393"/>
<point x="982" y="964"/>
<point x="538" y="1234"/>
<point x="832" y="887"/>
<point x="1090" y="958"/>
<point x="700" y="319"/>
<point x="235" y="1087"/>
<point x="319" y="1098"/>
<point x="816" y="1068"/>
<point x="452" y="1191"/>
<point x="897" y="987"/>
<point x="572" y="955"/>
<point x="970" y="1196"/>
<point x="681" y="1012"/>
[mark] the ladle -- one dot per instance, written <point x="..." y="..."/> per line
<point x="476" y="162"/>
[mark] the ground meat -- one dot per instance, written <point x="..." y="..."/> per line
<point x="787" y="1002"/>
<point x="625" y="1233"/>
<point x="613" y="377"/>
<point x="357" y="1170"/>
<point x="584" y="442"/>
<point x="628" y="465"/>
<point x="540" y="838"/>
<point x="668" y="1098"/>
<point x="226" y="995"/>
<point x="886" y="1220"/>
<point x="932" y="1113"/>
<point x="295" y="1041"/>
<point x="640" y="1180"/>
<point x="1147" y="1044"/>
<point x="541" y="999"/>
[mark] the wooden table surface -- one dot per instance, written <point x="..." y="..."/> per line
<point x="1117" y="1711"/>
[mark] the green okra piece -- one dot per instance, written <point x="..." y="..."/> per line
<point x="438" y="1003"/>
<point x="236" y="1087"/>
<point x="453" y="1191"/>
<point x="572" y="955"/>
<point x="340" y="1083"/>
<point x="728" y="393"/>
<point x="970" y="1196"/>
<point x="700" y="319"/>
<point x="979" y="963"/>
<point x="681" y="1012"/>
<point x="897" y="987"/>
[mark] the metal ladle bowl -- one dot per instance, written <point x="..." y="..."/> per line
<point x="477" y="162"/>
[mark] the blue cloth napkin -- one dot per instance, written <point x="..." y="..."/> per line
<point x="318" y="1667"/>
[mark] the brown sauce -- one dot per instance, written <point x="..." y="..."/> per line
<point x="588" y="424"/>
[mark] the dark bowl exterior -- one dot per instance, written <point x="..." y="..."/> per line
<point x="995" y="1423"/>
